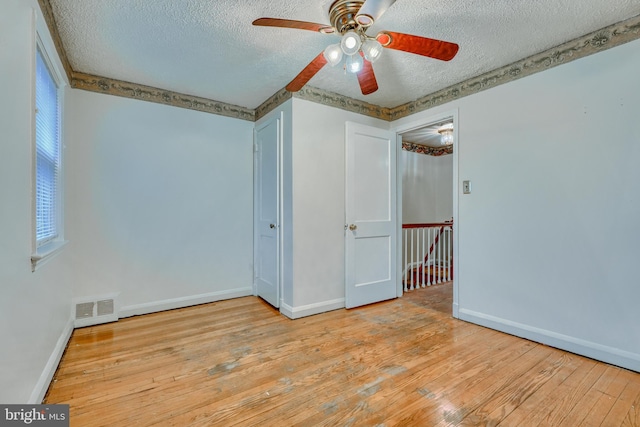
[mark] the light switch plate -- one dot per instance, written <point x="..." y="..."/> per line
<point x="466" y="187"/>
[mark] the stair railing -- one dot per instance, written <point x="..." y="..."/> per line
<point x="427" y="254"/>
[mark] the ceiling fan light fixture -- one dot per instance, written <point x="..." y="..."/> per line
<point x="354" y="64"/>
<point x="351" y="19"/>
<point x="333" y="54"/>
<point x="372" y="50"/>
<point x="350" y="43"/>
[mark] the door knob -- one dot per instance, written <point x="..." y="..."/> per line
<point x="272" y="226"/>
<point x="353" y="227"/>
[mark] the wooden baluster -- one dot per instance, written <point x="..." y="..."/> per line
<point x="422" y="232"/>
<point x="449" y="252"/>
<point x="413" y="272"/>
<point x="429" y="257"/>
<point x="440" y="244"/>
<point x="428" y="260"/>
<point x="405" y="257"/>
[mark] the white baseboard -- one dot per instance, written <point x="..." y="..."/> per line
<point x="170" y="304"/>
<point x="311" y="309"/>
<point x="589" y="349"/>
<point x="49" y="370"/>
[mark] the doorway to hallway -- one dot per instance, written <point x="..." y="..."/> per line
<point x="427" y="175"/>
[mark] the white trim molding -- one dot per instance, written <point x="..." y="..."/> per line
<point x="46" y="252"/>
<point x="311" y="309"/>
<point x="42" y="385"/>
<point x="579" y="346"/>
<point x="181" y="302"/>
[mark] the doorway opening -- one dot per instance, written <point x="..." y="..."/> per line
<point x="427" y="173"/>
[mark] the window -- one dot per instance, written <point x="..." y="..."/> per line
<point x="48" y="200"/>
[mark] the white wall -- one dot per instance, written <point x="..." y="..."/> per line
<point x="319" y="204"/>
<point x="158" y="208"/>
<point x="160" y="204"/>
<point x="427" y="188"/>
<point x="548" y="239"/>
<point x="35" y="308"/>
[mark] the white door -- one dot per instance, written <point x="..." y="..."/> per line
<point x="266" y="211"/>
<point x="370" y="215"/>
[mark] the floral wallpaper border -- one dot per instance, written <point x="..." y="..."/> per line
<point x="147" y="93"/>
<point x="272" y="103"/>
<point x="430" y="151"/>
<point x="608" y="37"/>
<point x="324" y="97"/>
<point x="109" y="86"/>
<point x="50" y="20"/>
<point x="332" y="99"/>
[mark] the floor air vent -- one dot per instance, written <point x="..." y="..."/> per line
<point x="94" y="311"/>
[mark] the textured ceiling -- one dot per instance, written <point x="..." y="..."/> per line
<point x="209" y="48"/>
<point x="428" y="135"/>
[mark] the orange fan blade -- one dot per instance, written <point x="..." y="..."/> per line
<point x="367" y="78"/>
<point x="288" y="23"/>
<point x="371" y="10"/>
<point x="432" y="48"/>
<point x="306" y="74"/>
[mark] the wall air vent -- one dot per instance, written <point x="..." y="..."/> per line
<point x="84" y="310"/>
<point x="91" y="311"/>
<point x="105" y="307"/>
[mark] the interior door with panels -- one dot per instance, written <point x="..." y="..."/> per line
<point x="267" y="210"/>
<point x="371" y="217"/>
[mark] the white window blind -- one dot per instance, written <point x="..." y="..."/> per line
<point x="47" y="153"/>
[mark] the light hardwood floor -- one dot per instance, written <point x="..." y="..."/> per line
<point x="404" y="362"/>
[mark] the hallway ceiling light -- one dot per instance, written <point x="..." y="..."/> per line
<point x="446" y="134"/>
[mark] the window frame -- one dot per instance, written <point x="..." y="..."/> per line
<point x="43" y="251"/>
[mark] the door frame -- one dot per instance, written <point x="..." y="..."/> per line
<point x="399" y="130"/>
<point x="279" y="118"/>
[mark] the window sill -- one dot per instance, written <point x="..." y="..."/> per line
<point x="46" y="252"/>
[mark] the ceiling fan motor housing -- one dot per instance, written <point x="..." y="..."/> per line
<point x="342" y="15"/>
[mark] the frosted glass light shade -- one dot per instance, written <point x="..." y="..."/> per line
<point x="350" y="43"/>
<point x="333" y="54"/>
<point x="446" y="134"/>
<point x="354" y="63"/>
<point x="446" y="138"/>
<point x="372" y="50"/>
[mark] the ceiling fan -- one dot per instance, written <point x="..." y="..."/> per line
<point x="351" y="19"/>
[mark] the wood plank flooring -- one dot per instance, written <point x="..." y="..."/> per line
<point x="404" y="362"/>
